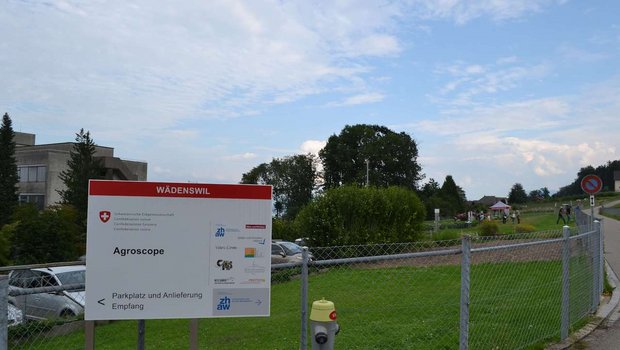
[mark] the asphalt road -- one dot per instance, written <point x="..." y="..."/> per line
<point x="607" y="335"/>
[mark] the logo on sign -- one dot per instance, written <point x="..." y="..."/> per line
<point x="225" y="264"/>
<point x="220" y="232"/>
<point x="105" y="216"/>
<point x="224" y="304"/>
<point x="250" y="252"/>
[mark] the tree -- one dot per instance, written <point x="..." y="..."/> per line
<point x="82" y="166"/>
<point x="389" y="158"/>
<point x="517" y="194"/>
<point x="293" y="179"/>
<point x="605" y="172"/>
<point x="8" y="171"/>
<point x="47" y="236"/>
<point x="350" y="215"/>
<point x="453" y="197"/>
<point x="538" y="195"/>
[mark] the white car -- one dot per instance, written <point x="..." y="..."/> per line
<point x="54" y="304"/>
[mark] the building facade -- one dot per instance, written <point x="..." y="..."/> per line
<point x="39" y="168"/>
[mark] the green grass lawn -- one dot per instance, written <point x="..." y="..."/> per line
<point x="513" y="305"/>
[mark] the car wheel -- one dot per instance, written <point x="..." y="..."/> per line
<point x="67" y="314"/>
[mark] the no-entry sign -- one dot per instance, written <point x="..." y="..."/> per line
<point x="177" y="250"/>
<point x="591" y="184"/>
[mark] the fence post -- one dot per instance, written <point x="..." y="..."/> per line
<point x="595" y="253"/>
<point x="465" y="274"/>
<point x="303" y="343"/>
<point x="565" y="284"/>
<point x="4" y="301"/>
<point x="601" y="257"/>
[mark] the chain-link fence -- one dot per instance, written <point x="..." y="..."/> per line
<point x="43" y="302"/>
<point x="505" y="292"/>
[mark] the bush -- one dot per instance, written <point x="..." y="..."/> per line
<point x="488" y="228"/>
<point x="352" y="215"/>
<point x="283" y="229"/>
<point x="524" y="228"/>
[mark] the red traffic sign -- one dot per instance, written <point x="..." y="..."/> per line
<point x="591" y="184"/>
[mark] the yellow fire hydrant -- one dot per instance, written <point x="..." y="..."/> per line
<point x="323" y="325"/>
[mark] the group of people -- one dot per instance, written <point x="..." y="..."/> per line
<point x="515" y="216"/>
<point x="564" y="214"/>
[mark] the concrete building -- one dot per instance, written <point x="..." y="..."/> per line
<point x="617" y="181"/>
<point x="39" y="168"/>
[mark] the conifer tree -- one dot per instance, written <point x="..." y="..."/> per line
<point x="82" y="166"/>
<point x="8" y="171"/>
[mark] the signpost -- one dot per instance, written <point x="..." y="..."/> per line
<point x="177" y="250"/>
<point x="591" y="184"/>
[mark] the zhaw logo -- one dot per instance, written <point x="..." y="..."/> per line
<point x="220" y="232"/>
<point x="105" y="216"/>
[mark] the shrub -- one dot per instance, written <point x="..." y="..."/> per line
<point x="524" y="228"/>
<point x="350" y="215"/>
<point x="488" y="228"/>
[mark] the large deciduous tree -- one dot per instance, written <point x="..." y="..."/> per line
<point x="82" y="166"/>
<point x="8" y="171"/>
<point x="517" y="194"/>
<point x="293" y="179"/>
<point x="387" y="157"/>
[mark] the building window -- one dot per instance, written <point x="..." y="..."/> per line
<point x="38" y="200"/>
<point x="36" y="173"/>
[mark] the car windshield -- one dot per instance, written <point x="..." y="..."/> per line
<point x="72" y="277"/>
<point x="291" y="248"/>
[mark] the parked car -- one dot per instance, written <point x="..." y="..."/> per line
<point x="286" y="252"/>
<point x="14" y="315"/>
<point x="38" y="306"/>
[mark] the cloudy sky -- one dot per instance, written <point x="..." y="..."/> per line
<point x="494" y="92"/>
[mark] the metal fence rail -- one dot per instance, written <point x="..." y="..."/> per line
<point x="505" y="292"/>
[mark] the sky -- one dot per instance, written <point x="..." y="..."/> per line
<point x="493" y="92"/>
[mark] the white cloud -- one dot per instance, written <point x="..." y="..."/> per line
<point x="462" y="11"/>
<point x="372" y="97"/>
<point x="312" y="146"/>
<point x="157" y="64"/>
<point x="466" y="81"/>
<point x="242" y="156"/>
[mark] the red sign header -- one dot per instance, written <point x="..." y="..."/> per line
<point x="184" y="190"/>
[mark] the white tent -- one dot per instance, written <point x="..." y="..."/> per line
<point x="500" y="206"/>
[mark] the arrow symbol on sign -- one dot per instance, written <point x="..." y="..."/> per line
<point x="258" y="302"/>
<point x="101" y="301"/>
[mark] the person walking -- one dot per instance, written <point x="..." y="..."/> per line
<point x="561" y="216"/>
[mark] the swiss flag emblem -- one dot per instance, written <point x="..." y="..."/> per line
<point x="104" y="216"/>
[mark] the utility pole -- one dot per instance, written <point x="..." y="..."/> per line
<point x="367" y="172"/>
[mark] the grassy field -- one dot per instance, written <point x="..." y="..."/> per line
<point x="513" y="305"/>
<point x="538" y="220"/>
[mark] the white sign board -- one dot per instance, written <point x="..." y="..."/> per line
<point x="177" y="250"/>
